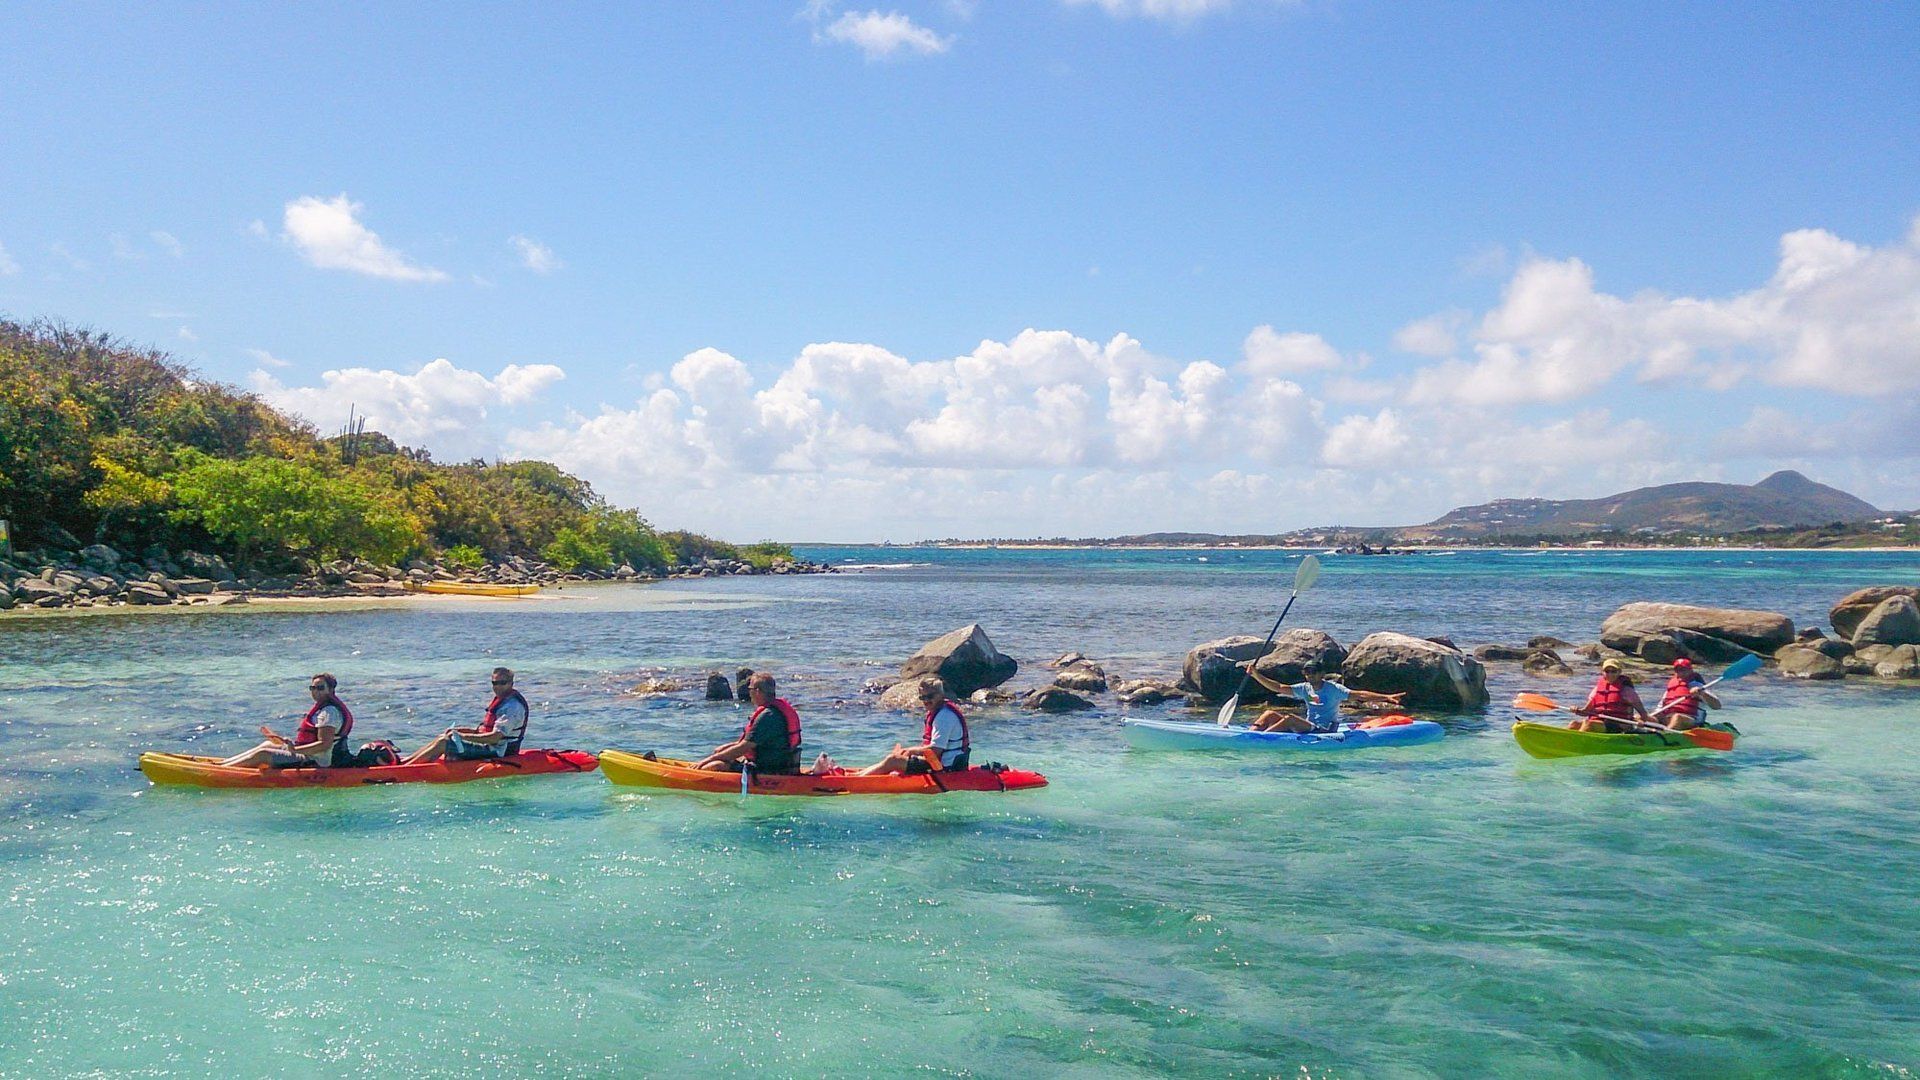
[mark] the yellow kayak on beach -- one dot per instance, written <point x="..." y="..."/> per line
<point x="471" y="588"/>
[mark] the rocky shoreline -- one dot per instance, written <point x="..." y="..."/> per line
<point x="64" y="575"/>
<point x="1876" y="634"/>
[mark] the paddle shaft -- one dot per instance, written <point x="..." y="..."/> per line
<point x="1247" y="675"/>
<point x="1704" y="687"/>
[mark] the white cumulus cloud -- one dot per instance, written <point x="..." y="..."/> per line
<point x="1269" y="352"/>
<point x="883" y="35"/>
<point x="446" y="408"/>
<point x="1835" y="315"/>
<point x="328" y="233"/>
<point x="1165" y="10"/>
<point x="535" y="255"/>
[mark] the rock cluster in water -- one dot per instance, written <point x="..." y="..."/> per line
<point x="96" y="575"/>
<point x="1876" y="633"/>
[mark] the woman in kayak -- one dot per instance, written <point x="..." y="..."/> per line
<point x="770" y="742"/>
<point x="945" y="734"/>
<point x="1321" y="698"/>
<point x="1686" y="692"/>
<point x="321" y="741"/>
<point x="499" y="734"/>
<point x="1613" y="703"/>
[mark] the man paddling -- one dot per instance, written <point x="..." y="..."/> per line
<point x="1319" y="695"/>
<point x="1686" y="692"/>
<point x="501" y="730"/>
<point x="770" y="743"/>
<point x="320" y="742"/>
<point x="1612" y="702"/>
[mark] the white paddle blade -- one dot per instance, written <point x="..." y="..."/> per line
<point x="1308" y="573"/>
<point x="1226" y="711"/>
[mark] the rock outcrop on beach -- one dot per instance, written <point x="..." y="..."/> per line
<point x="1893" y="621"/>
<point x="1147" y="691"/>
<point x="965" y="660"/>
<point x="1803" y="662"/>
<point x="1055" y="699"/>
<point x="1212" y="669"/>
<point x="1296" y="650"/>
<point x="1661" y="633"/>
<point x="1431" y="675"/>
<point x="1082" y="676"/>
<point x="1852" y="608"/>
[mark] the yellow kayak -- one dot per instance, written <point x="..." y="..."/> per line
<point x="471" y="588"/>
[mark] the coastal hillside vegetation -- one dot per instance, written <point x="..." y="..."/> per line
<point x="116" y="444"/>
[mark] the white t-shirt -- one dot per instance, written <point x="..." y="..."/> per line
<point x="1324" y="713"/>
<point x="949" y="736"/>
<point x="510" y="719"/>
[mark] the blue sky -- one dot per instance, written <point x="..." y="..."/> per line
<point x="1283" y="264"/>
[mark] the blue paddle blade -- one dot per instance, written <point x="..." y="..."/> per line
<point x="1742" y="667"/>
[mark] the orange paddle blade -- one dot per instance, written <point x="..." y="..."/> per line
<point x="1709" y="738"/>
<point x="1536" y="703"/>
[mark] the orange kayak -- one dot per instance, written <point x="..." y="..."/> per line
<point x="208" y="772"/>
<point x="636" y="771"/>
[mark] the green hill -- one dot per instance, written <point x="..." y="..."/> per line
<point x="108" y="442"/>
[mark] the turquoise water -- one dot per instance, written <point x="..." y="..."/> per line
<point x="1449" y="910"/>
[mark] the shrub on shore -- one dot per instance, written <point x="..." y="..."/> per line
<point x="104" y="440"/>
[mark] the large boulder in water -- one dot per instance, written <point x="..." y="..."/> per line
<point x="1213" y="669"/>
<point x="1432" y="675"/>
<point x="1634" y="624"/>
<point x="1298" y="649"/>
<point x="1894" y="621"/>
<point x="1801" y="662"/>
<point x="965" y="660"/>
<point x="1856" y="605"/>
<point x="1902" y="662"/>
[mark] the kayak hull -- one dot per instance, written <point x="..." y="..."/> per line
<point x="471" y="588"/>
<point x="632" y="770"/>
<point x="1555" y="741"/>
<point x="182" y="770"/>
<point x="1178" y="735"/>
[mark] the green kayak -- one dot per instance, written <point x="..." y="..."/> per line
<point x="1555" y="741"/>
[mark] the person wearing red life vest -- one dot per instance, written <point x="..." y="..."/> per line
<point x="1686" y="692"/>
<point x="943" y="737"/>
<point x="770" y="743"/>
<point x="1613" y="701"/>
<point x="320" y="742"/>
<point x="500" y="733"/>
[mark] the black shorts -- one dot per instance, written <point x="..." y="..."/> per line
<point x="919" y="767"/>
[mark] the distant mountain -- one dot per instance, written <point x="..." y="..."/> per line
<point x="1784" y="500"/>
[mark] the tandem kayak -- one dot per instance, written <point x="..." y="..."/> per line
<point x="471" y="588"/>
<point x="1178" y="735"/>
<point x="1555" y="741"/>
<point x="636" y="771"/>
<point x="208" y="772"/>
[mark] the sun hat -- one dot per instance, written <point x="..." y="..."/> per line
<point x="1610" y="664"/>
<point x="1683" y="662"/>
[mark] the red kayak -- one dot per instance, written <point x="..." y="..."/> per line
<point x="208" y="772"/>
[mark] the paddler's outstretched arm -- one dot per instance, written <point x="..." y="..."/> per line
<point x="1272" y="687"/>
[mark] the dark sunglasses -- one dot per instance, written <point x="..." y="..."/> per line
<point x="501" y="682"/>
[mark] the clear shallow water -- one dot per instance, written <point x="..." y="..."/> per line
<point x="1448" y="910"/>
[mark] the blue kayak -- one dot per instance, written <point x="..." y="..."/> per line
<point x="1176" y="735"/>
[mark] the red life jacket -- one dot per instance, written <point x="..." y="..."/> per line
<point x="493" y="708"/>
<point x="1677" y="690"/>
<point x="793" y="723"/>
<point x="309" y="731"/>
<point x="926" y="733"/>
<point x="1610" y="699"/>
